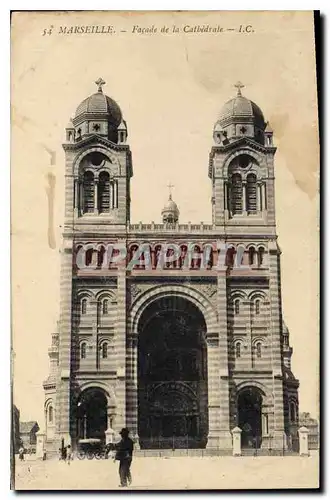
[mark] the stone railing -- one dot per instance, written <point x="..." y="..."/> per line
<point x="181" y="228"/>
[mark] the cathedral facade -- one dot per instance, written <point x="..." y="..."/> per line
<point x="174" y="330"/>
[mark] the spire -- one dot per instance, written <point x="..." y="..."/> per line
<point x="239" y="85"/>
<point x="99" y="84"/>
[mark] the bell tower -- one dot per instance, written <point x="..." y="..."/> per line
<point x="98" y="163"/>
<point x="243" y="207"/>
<point x="242" y="166"/>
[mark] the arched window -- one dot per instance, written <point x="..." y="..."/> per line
<point x="257" y="306"/>
<point x="88" y="195"/>
<point x="83" y="350"/>
<point x="104" y="192"/>
<point x="236" y="306"/>
<point x="293" y="415"/>
<point x="89" y="257"/>
<point x="258" y="349"/>
<point x="50" y="414"/>
<point x="251" y="194"/>
<point x="230" y="257"/>
<point x="100" y="256"/>
<point x="104" y="350"/>
<point x="83" y="306"/>
<point x="251" y="256"/>
<point x="238" y="350"/>
<point x="236" y="201"/>
<point x="261" y="252"/>
<point x="105" y="306"/>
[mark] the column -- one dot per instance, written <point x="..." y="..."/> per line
<point x="244" y="198"/>
<point x="96" y="208"/>
<point x="81" y="196"/>
<point x="132" y="389"/>
<point x="120" y="344"/>
<point x="62" y="411"/>
<point x="259" y="198"/>
<point x="115" y="195"/>
<point x="221" y="421"/>
<point x="264" y="196"/>
<point x="76" y="197"/>
<point x="275" y="345"/>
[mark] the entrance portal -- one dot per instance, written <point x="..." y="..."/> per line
<point x="249" y="417"/>
<point x="172" y="375"/>
<point x="92" y="414"/>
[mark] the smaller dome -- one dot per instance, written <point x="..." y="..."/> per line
<point x="171" y="205"/>
<point x="170" y="212"/>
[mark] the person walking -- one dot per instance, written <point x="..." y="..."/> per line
<point x="69" y="455"/>
<point x="124" y="454"/>
<point x="21" y="453"/>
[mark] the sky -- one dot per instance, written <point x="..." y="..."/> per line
<point x="171" y="88"/>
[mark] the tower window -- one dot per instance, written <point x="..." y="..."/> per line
<point x="104" y="350"/>
<point x="83" y="306"/>
<point x="236" y="194"/>
<point x="88" y="186"/>
<point x="261" y="252"/>
<point x="104" y="192"/>
<point x="257" y="306"/>
<point x="251" y="256"/>
<point x="50" y="414"/>
<point x="83" y="350"/>
<point x="293" y="415"/>
<point x="105" y="306"/>
<point x="251" y="194"/>
<point x="238" y="350"/>
<point x="258" y="349"/>
<point x="236" y="306"/>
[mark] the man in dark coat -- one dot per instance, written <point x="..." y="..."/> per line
<point x="124" y="454"/>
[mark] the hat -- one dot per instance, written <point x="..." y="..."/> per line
<point x="124" y="432"/>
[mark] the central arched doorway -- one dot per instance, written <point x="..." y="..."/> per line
<point x="249" y="406"/>
<point x="92" y="414"/>
<point x="172" y="375"/>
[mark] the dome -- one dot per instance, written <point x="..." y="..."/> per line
<point x="170" y="212"/>
<point x="99" y="103"/>
<point x="171" y="206"/>
<point x="240" y="107"/>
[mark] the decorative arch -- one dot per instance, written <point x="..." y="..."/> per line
<point x="257" y="294"/>
<point x="238" y="294"/>
<point x="108" y="390"/>
<point x="245" y="151"/>
<point x="105" y="294"/>
<point x="155" y="293"/>
<point x="254" y="384"/>
<point x="99" y="149"/>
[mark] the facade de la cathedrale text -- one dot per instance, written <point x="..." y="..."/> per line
<point x="183" y="349"/>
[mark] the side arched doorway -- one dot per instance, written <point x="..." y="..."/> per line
<point x="92" y="414"/>
<point x="172" y="375"/>
<point x="249" y="411"/>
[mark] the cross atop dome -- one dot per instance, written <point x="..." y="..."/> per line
<point x="170" y="186"/>
<point x="99" y="83"/>
<point x="239" y="85"/>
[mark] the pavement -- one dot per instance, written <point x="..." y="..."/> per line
<point x="174" y="473"/>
